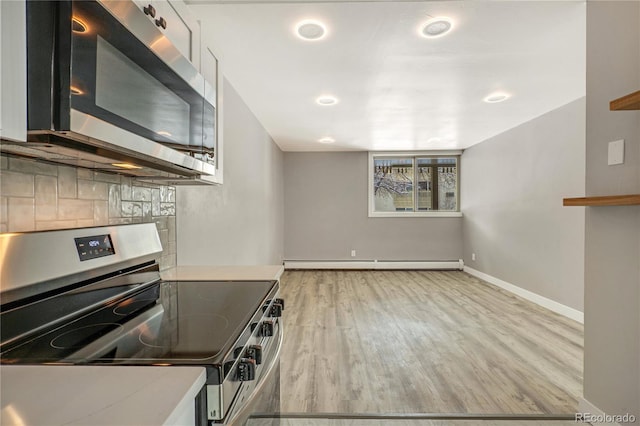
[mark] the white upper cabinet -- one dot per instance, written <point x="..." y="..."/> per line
<point x="174" y="19"/>
<point x="13" y="71"/>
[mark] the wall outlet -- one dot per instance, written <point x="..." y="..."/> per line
<point x="473" y="256"/>
<point x="616" y="152"/>
<point x="353" y="253"/>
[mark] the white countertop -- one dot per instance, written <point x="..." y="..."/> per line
<point x="224" y="273"/>
<point x="98" y="395"/>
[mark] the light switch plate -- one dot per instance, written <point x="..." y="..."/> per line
<point x="616" y="152"/>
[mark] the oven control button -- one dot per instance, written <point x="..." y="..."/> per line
<point x="246" y="370"/>
<point x="254" y="352"/>
<point x="276" y="310"/>
<point x="266" y="329"/>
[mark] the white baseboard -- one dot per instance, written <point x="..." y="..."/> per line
<point x="586" y="407"/>
<point x="372" y="264"/>
<point x="552" y="305"/>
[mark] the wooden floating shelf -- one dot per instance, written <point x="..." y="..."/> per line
<point x="610" y="200"/>
<point x="629" y="102"/>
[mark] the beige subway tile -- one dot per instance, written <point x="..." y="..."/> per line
<point x="141" y="194"/>
<point x="32" y="167"/>
<point x="107" y="177"/>
<point x="92" y="190"/>
<point x="46" y="198"/>
<point x="115" y="201"/>
<point x="85" y="174"/>
<point x="16" y="184"/>
<point x="161" y="222"/>
<point x="126" y="190"/>
<point x="67" y="182"/>
<point x="56" y="224"/>
<point x="155" y="202"/>
<point x="119" y="220"/>
<point x="171" y="227"/>
<point x="131" y="209"/>
<point x="164" y="237"/>
<point x="21" y="214"/>
<point x="146" y="212"/>
<point x="75" y="209"/>
<point x="101" y="213"/>
<point x="167" y="209"/>
<point x="3" y="209"/>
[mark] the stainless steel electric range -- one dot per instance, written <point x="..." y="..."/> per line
<point x="93" y="296"/>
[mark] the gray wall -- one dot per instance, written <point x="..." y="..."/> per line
<point x="240" y="222"/>
<point x="326" y="216"/>
<point x="612" y="247"/>
<point x="512" y="187"/>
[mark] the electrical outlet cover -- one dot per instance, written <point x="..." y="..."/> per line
<point x="616" y="152"/>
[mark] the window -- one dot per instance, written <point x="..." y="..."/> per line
<point x="416" y="184"/>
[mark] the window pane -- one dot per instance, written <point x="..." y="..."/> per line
<point x="393" y="184"/>
<point x="437" y="184"/>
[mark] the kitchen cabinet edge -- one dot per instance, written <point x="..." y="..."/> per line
<point x="629" y="102"/>
<point x="609" y="200"/>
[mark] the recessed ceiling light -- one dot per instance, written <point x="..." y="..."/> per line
<point x="78" y="26"/>
<point x="164" y="133"/>
<point x="494" y="98"/>
<point x="327" y="100"/>
<point x="75" y="91"/>
<point x="436" y="27"/>
<point x="327" y="140"/>
<point x="311" y="30"/>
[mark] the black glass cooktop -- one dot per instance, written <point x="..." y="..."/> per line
<point x="167" y="323"/>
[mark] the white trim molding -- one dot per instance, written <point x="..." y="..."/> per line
<point x="552" y="305"/>
<point x="373" y="264"/>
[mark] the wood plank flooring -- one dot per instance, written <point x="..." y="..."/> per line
<point x="423" y="342"/>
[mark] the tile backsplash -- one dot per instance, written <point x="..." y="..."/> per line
<point x="41" y="196"/>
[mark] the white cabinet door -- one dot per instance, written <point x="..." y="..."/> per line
<point x="176" y="22"/>
<point x="13" y="70"/>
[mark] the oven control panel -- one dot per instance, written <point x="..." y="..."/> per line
<point x="94" y="247"/>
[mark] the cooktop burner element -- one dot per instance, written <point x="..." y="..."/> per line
<point x="80" y="336"/>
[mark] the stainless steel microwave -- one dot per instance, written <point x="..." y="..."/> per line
<point x="104" y="80"/>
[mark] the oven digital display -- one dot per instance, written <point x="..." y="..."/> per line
<point x="93" y="247"/>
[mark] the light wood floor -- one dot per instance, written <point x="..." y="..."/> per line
<point x="423" y="342"/>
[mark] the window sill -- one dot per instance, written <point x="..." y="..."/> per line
<point x="415" y="214"/>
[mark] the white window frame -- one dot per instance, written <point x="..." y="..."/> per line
<point x="371" y="198"/>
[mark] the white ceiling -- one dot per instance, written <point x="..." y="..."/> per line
<point x="397" y="91"/>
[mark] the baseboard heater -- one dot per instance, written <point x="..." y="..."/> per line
<point x="374" y="264"/>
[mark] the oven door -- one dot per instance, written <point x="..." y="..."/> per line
<point x="114" y="71"/>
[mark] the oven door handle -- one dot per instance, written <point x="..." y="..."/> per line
<point x="241" y="414"/>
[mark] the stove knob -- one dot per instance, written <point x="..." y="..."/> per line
<point x="254" y="352"/>
<point x="266" y="329"/>
<point x="276" y="310"/>
<point x="253" y="326"/>
<point x="246" y="370"/>
<point x="237" y="352"/>
<point x="280" y="302"/>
